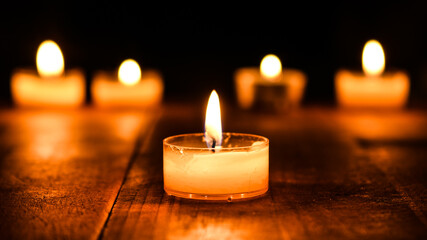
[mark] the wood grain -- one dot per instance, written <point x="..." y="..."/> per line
<point x="325" y="183"/>
<point x="60" y="171"/>
<point x="333" y="175"/>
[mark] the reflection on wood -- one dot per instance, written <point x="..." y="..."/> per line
<point x="323" y="185"/>
<point x="333" y="175"/>
<point x="61" y="170"/>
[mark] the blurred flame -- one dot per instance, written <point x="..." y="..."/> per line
<point x="270" y="67"/>
<point x="129" y="72"/>
<point x="49" y="59"/>
<point x="213" y="128"/>
<point x="373" y="61"/>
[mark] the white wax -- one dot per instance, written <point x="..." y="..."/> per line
<point x="216" y="173"/>
<point x="31" y="90"/>
<point x="108" y="92"/>
<point x="355" y="90"/>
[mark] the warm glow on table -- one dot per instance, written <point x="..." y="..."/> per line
<point x="128" y="88"/>
<point x="50" y="87"/>
<point x="215" y="165"/>
<point x="373" y="89"/>
<point x="269" y="84"/>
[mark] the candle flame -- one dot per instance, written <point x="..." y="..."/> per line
<point x="49" y="59"/>
<point x="129" y="72"/>
<point x="213" y="129"/>
<point x="373" y="61"/>
<point x="271" y="67"/>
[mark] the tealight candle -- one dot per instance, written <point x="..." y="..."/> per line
<point x="50" y="87"/>
<point x="215" y="165"/>
<point x="372" y="89"/>
<point x="127" y="88"/>
<point x="269" y="86"/>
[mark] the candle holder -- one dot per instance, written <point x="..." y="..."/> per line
<point x="127" y="88"/>
<point x="30" y="90"/>
<point x="388" y="91"/>
<point x="108" y="92"/>
<point x="271" y="97"/>
<point x="253" y="92"/>
<point x="373" y="89"/>
<point x="49" y="86"/>
<point x="237" y="170"/>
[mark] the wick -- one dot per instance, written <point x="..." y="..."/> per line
<point x="213" y="145"/>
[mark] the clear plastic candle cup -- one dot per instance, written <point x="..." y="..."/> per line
<point x="236" y="170"/>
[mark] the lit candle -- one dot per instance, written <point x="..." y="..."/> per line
<point x="127" y="88"/>
<point x="268" y="85"/>
<point x="372" y="89"/>
<point x="50" y="87"/>
<point x="215" y="165"/>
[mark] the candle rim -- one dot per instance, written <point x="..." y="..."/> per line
<point x="265" y="141"/>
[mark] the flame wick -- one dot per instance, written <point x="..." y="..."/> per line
<point x="373" y="60"/>
<point x="49" y="59"/>
<point x="271" y="67"/>
<point x="213" y="145"/>
<point x="129" y="72"/>
<point x="213" y="129"/>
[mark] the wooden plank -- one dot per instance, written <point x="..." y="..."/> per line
<point x="138" y="204"/>
<point x="322" y="186"/>
<point x="397" y="145"/>
<point x="350" y="196"/>
<point x="60" y="171"/>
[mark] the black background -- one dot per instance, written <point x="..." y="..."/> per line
<point x="198" y="47"/>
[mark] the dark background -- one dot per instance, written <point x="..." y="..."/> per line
<point x="198" y="48"/>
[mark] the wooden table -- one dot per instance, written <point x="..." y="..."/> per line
<point x="91" y="174"/>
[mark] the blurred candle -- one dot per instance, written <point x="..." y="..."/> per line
<point x="268" y="85"/>
<point x="50" y="87"/>
<point x="373" y="89"/>
<point x="128" y="88"/>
